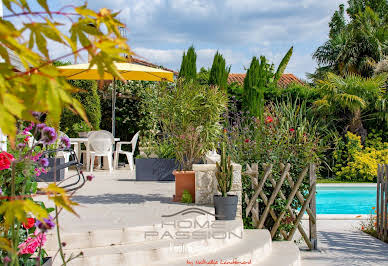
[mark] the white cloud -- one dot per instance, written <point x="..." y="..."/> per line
<point x="160" y="30"/>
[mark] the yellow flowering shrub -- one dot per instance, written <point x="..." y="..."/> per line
<point x="362" y="162"/>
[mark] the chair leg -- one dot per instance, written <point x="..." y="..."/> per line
<point x="66" y="156"/>
<point x="110" y="162"/>
<point x="92" y="163"/>
<point x="130" y="161"/>
<point x="88" y="161"/>
<point x="116" y="161"/>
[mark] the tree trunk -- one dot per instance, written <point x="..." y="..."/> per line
<point x="356" y="126"/>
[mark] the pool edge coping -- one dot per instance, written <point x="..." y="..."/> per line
<point x="339" y="217"/>
<point x="346" y="184"/>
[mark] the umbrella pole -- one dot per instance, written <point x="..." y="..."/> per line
<point x="114" y="107"/>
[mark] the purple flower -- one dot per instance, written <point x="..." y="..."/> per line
<point x="1" y="191"/>
<point x="46" y="224"/>
<point x="48" y="135"/>
<point x="37" y="115"/>
<point x="44" y="162"/>
<point x="65" y="142"/>
<point x="21" y="146"/>
<point x="41" y="126"/>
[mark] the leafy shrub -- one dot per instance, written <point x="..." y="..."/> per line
<point x="134" y="108"/>
<point x="361" y="162"/>
<point x="190" y="115"/>
<point x="287" y="134"/>
<point x="186" y="197"/>
<point x="72" y="124"/>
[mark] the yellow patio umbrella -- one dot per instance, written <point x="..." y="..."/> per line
<point x="127" y="70"/>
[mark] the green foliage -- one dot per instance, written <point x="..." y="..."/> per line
<point x="203" y="76"/>
<point x="186" y="197"/>
<point x="283" y="64"/>
<point x="259" y="76"/>
<point x="351" y="95"/>
<point x="189" y="114"/>
<point x="288" y="134"/>
<point x="260" y="80"/>
<point x="219" y="72"/>
<point x="355" y="46"/>
<point x="47" y="90"/>
<point x="72" y="124"/>
<point x="357" y="162"/>
<point x="224" y="173"/>
<point x="188" y="69"/>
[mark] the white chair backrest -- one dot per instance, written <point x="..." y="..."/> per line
<point x="134" y="141"/>
<point x="101" y="141"/>
<point x="31" y="140"/>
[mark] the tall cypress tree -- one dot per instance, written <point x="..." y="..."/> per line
<point x="189" y="65"/>
<point x="259" y="76"/>
<point x="219" y="72"/>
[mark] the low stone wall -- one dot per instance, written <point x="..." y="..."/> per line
<point x="206" y="184"/>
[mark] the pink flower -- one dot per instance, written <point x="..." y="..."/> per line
<point x="36" y="157"/>
<point x="37" y="171"/>
<point x="292" y="130"/>
<point x="247" y="140"/>
<point x="32" y="243"/>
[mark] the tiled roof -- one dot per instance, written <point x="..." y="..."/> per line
<point x="145" y="63"/>
<point x="284" y="81"/>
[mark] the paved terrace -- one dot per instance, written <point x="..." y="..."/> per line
<point x="116" y="200"/>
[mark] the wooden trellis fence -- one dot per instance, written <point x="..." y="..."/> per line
<point x="382" y="202"/>
<point x="308" y="202"/>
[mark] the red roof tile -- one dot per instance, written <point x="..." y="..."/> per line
<point x="145" y="63"/>
<point x="284" y="81"/>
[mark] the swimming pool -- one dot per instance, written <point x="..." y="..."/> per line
<point x="345" y="199"/>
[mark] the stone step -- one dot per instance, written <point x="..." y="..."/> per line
<point x="284" y="253"/>
<point x="121" y="236"/>
<point x="159" y="251"/>
<point x="255" y="247"/>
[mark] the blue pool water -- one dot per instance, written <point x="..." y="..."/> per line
<point x="345" y="200"/>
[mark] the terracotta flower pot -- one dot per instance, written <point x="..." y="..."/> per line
<point x="184" y="180"/>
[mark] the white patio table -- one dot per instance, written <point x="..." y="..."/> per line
<point x="78" y="150"/>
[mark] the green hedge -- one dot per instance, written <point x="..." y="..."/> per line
<point x="71" y="123"/>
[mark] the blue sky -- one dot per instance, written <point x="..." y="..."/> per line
<point x="160" y="30"/>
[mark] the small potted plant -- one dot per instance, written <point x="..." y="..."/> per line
<point x="225" y="205"/>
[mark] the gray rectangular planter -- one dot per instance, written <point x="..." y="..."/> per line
<point x="59" y="173"/>
<point x="155" y="169"/>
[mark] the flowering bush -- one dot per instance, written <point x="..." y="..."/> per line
<point x="358" y="163"/>
<point x="286" y="135"/>
<point x="25" y="222"/>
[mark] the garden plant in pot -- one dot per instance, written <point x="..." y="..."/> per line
<point x="225" y="205"/>
<point x="190" y="116"/>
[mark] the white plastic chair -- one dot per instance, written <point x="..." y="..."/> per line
<point x="101" y="142"/>
<point x="129" y="154"/>
<point x="85" y="154"/>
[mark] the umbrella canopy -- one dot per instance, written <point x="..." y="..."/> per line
<point x="127" y="70"/>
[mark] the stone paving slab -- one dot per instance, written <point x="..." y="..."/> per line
<point x="116" y="200"/>
<point x="341" y="243"/>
